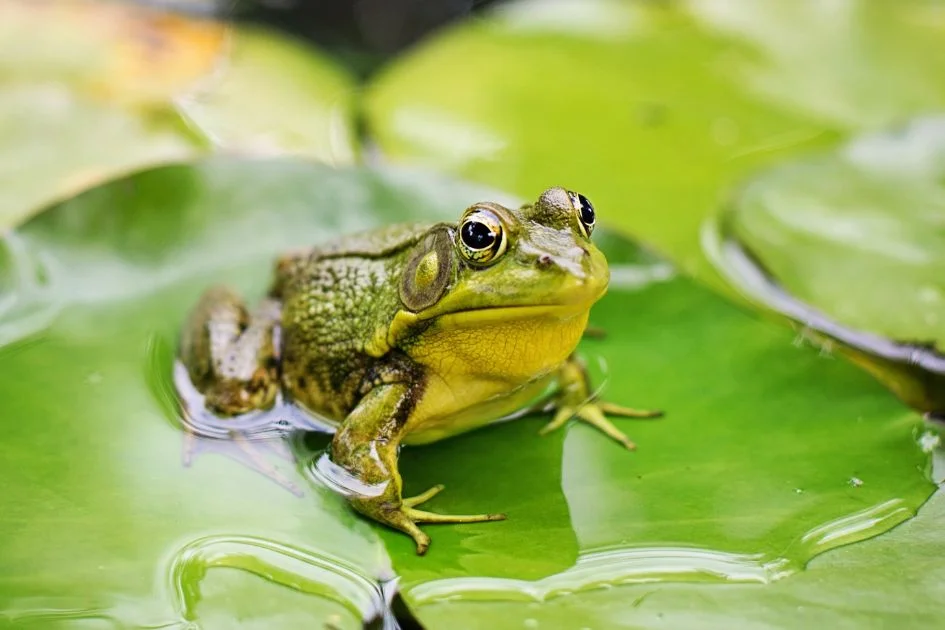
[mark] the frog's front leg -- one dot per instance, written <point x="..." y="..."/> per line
<point x="574" y="398"/>
<point x="366" y="447"/>
<point x="230" y="353"/>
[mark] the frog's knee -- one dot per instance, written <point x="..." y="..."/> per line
<point x="233" y="398"/>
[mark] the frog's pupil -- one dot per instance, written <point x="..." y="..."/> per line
<point x="587" y="210"/>
<point x="477" y="235"/>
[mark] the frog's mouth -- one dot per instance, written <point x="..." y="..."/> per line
<point x="496" y="314"/>
<point x="503" y="314"/>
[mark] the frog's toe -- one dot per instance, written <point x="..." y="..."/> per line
<point x="562" y="415"/>
<point x="407" y="518"/>
<point x="423" y="543"/>
<point x="592" y="414"/>
<point x="423" y="497"/>
<point x="398" y="519"/>
<point x="420" y="516"/>
<point x="629" y="412"/>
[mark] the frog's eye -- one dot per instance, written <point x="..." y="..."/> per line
<point x="585" y="211"/>
<point x="481" y="239"/>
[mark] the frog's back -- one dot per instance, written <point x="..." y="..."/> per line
<point x="373" y="244"/>
<point x="335" y="300"/>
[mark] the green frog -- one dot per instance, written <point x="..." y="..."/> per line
<point x="414" y="333"/>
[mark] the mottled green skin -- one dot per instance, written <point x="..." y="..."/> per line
<point x="333" y="300"/>
<point x="402" y="335"/>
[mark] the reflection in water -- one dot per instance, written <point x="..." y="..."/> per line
<point x="915" y="373"/>
<point x="257" y="440"/>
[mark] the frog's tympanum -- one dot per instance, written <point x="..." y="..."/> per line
<point x="413" y="333"/>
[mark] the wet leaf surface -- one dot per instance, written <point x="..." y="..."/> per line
<point x="769" y="452"/>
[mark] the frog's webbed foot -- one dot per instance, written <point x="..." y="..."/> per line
<point x="405" y="517"/>
<point x="593" y="414"/>
<point x="366" y="445"/>
<point x="574" y="399"/>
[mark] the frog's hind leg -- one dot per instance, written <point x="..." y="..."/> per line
<point x="366" y="447"/>
<point x="230" y="353"/>
<point x="574" y="399"/>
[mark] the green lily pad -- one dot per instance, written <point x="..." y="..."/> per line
<point x="655" y="108"/>
<point x="769" y="453"/>
<point x="90" y="90"/>
<point x="276" y="96"/>
<point x="856" y="238"/>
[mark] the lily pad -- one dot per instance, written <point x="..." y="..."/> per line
<point x="769" y="453"/>
<point x="852" y="243"/>
<point x="90" y="90"/>
<point x="657" y="108"/>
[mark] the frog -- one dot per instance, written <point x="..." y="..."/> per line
<point x="411" y="333"/>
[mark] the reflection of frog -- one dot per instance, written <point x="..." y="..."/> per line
<point x="410" y="334"/>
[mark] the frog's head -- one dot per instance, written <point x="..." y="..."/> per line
<point x="498" y="260"/>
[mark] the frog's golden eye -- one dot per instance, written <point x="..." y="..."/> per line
<point x="585" y="211"/>
<point x="481" y="239"/>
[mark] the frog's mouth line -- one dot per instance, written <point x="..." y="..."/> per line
<point x="500" y="314"/>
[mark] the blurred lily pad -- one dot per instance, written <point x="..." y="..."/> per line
<point x="655" y="108"/>
<point x="90" y="90"/>
<point x="856" y="239"/>
<point x="768" y="455"/>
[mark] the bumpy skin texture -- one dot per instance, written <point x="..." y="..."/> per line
<point x="333" y="303"/>
<point x="406" y="335"/>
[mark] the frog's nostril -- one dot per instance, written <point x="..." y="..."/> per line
<point x="544" y="260"/>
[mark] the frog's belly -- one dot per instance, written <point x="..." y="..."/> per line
<point x="453" y="414"/>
